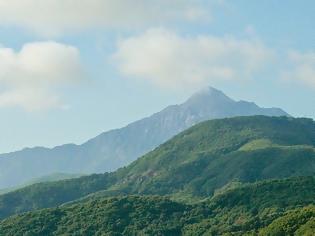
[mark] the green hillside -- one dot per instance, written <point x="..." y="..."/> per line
<point x="249" y="209"/>
<point x="300" y="222"/>
<point x="192" y="165"/>
<point x="116" y="216"/>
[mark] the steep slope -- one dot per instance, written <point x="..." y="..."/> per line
<point x="213" y="153"/>
<point x="244" y="210"/>
<point x="120" y="147"/>
<point x="193" y="164"/>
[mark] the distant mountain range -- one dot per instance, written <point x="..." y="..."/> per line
<point x="119" y="147"/>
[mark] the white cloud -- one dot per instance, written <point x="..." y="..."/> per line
<point x="170" y="60"/>
<point x="56" y="16"/>
<point x="31" y="99"/>
<point x="29" y="77"/>
<point x="302" y="68"/>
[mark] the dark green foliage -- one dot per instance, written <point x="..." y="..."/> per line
<point x="253" y="206"/>
<point x="193" y="164"/>
<point x="131" y="215"/>
<point x="264" y="208"/>
<point x="297" y="222"/>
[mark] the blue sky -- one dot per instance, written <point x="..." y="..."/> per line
<point x="71" y="71"/>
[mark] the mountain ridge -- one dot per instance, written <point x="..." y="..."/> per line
<point x="119" y="147"/>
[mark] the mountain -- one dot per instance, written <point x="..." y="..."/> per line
<point x="277" y="207"/>
<point x="117" y="148"/>
<point x="192" y="166"/>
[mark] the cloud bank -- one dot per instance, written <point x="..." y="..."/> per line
<point x="52" y="17"/>
<point x="29" y="77"/>
<point x="172" y="61"/>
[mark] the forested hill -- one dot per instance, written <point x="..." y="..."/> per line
<point x="266" y="208"/>
<point x="192" y="165"/>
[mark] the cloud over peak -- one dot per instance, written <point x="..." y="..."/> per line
<point x="171" y="60"/>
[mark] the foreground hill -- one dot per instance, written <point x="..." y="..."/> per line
<point x="300" y="222"/>
<point x="192" y="165"/>
<point x="261" y="208"/>
<point x="117" y="148"/>
<point x="251" y="207"/>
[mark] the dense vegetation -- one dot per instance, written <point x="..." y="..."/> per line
<point x="116" y="216"/>
<point x="248" y="208"/>
<point x="192" y="165"/>
<point x="296" y="222"/>
<point x="260" y="208"/>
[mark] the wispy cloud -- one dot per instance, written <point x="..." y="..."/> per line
<point x="301" y="68"/>
<point x="28" y="78"/>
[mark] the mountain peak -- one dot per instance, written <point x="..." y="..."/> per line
<point x="117" y="148"/>
<point x="209" y="91"/>
<point x="208" y="95"/>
